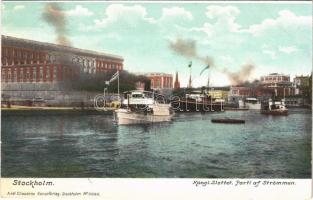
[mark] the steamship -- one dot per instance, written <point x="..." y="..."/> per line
<point x="274" y="107"/>
<point x="142" y="107"/>
<point x="197" y="103"/>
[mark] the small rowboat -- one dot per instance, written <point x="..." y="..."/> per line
<point x="228" y="121"/>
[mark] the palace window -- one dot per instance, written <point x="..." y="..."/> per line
<point x="10" y="52"/>
<point x="14" y="75"/>
<point x="19" y="53"/>
<point x="27" y="74"/>
<point x="158" y="83"/>
<point x="24" y="55"/>
<point x="9" y="75"/>
<point x="3" y="75"/>
<point x="34" y="73"/>
<point x="21" y="74"/>
<point x="41" y="73"/>
<point x="55" y="72"/>
<point x="47" y="73"/>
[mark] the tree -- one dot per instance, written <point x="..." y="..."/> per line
<point x="96" y="82"/>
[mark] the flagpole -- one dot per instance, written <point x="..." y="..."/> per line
<point x="118" y="85"/>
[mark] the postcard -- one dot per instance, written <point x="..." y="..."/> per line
<point x="158" y="100"/>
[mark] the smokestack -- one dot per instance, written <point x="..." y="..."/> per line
<point x="54" y="15"/>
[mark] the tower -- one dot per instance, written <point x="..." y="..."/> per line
<point x="176" y="83"/>
<point x="189" y="82"/>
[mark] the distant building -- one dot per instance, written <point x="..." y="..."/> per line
<point x="295" y="101"/>
<point x="160" y="81"/>
<point x="219" y="94"/>
<point x="176" y="83"/>
<point x="237" y="93"/>
<point x="274" y="78"/>
<point x="240" y="91"/>
<point x="280" y="84"/>
<point x="300" y="83"/>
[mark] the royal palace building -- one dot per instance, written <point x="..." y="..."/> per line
<point x="29" y="68"/>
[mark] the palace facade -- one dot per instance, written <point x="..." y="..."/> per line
<point x="32" y="69"/>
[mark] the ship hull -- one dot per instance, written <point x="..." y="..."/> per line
<point x="190" y="106"/>
<point x="125" y="117"/>
<point x="252" y="106"/>
<point x="274" y="112"/>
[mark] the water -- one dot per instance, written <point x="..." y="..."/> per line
<point x="190" y="146"/>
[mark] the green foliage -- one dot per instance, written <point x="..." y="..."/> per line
<point x="96" y="82"/>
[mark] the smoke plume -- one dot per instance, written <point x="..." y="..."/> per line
<point x="188" y="49"/>
<point x="54" y="15"/>
<point x="237" y="78"/>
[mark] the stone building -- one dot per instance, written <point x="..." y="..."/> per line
<point x="301" y="83"/>
<point x="32" y="69"/>
<point x="160" y="81"/>
<point x="280" y="84"/>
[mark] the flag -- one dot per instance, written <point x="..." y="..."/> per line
<point x="190" y="64"/>
<point x="114" y="76"/>
<point x="207" y="67"/>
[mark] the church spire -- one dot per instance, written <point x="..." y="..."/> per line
<point x="176" y="83"/>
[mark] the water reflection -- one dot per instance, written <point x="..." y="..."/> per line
<point x="189" y="146"/>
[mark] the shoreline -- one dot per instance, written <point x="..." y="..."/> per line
<point x="27" y="111"/>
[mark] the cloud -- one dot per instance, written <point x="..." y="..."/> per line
<point x="18" y="7"/>
<point x="225" y="15"/>
<point x="129" y="15"/>
<point x="288" y="50"/>
<point x="286" y="19"/>
<point x="271" y="53"/>
<point x="222" y="11"/>
<point x="176" y="13"/>
<point x="79" y="11"/>
<point x="226" y="60"/>
<point x="221" y="20"/>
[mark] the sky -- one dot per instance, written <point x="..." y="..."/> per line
<point x="271" y="37"/>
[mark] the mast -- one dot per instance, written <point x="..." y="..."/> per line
<point x="118" y="86"/>
<point x="208" y="84"/>
<point x="189" y="83"/>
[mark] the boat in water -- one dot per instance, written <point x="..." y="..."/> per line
<point x="142" y="107"/>
<point x="274" y="107"/>
<point x="228" y="121"/>
<point x="252" y="103"/>
<point x="197" y="103"/>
